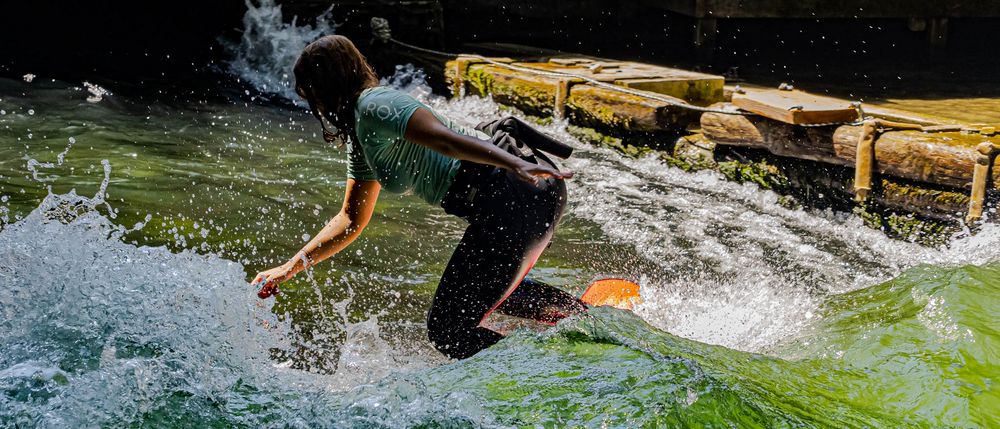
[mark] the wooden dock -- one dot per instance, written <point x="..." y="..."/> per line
<point x="923" y="166"/>
<point x="549" y="93"/>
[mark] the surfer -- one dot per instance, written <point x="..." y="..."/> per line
<point x="510" y="193"/>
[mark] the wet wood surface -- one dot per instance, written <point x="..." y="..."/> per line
<point x="795" y="107"/>
<point x="945" y="158"/>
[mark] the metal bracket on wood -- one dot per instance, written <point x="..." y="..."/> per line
<point x="865" y="156"/>
<point x="980" y="176"/>
<point x="562" y="94"/>
<point x="864" y="159"/>
<point x="458" y="81"/>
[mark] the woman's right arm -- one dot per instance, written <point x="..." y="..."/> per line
<point x="342" y="230"/>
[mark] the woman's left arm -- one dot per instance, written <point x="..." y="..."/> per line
<point x="426" y="130"/>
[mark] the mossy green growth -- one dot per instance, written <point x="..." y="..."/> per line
<point x="675" y="162"/>
<point x="531" y="96"/>
<point x="524" y="97"/>
<point x="592" y="136"/>
<point x="596" y="115"/>
<point x="595" y="137"/>
<point x="761" y="172"/>
<point x="905" y="227"/>
<point x="871" y="218"/>
<point x="789" y="202"/>
<point x="481" y="81"/>
<point x="915" y="194"/>
<point x="543" y="121"/>
<point x="921" y="231"/>
<point x="696" y="151"/>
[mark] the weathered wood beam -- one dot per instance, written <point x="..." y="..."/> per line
<point x="945" y="158"/>
<point x="583" y="104"/>
<point x="603" y="108"/>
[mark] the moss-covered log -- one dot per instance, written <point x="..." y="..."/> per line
<point x="532" y="94"/>
<point x="902" y="208"/>
<point x="603" y="108"/>
<point x="937" y="158"/>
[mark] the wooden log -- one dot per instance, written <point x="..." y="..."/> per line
<point x="795" y="107"/>
<point x="603" y="108"/>
<point x="585" y="104"/>
<point x="531" y="93"/>
<point x="811" y="143"/>
<point x="939" y="158"/>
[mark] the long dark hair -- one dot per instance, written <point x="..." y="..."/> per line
<point x="330" y="75"/>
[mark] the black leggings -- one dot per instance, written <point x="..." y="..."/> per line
<point x="510" y="224"/>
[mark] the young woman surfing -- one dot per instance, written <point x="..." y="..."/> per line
<point x="512" y="201"/>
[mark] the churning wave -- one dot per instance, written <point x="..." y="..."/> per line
<point x="104" y="333"/>
<point x="268" y="47"/>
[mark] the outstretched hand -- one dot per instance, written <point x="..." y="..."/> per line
<point x="269" y="280"/>
<point x="532" y="173"/>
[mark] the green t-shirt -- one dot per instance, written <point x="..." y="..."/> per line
<point x="398" y="165"/>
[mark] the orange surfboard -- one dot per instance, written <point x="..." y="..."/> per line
<point x="618" y="293"/>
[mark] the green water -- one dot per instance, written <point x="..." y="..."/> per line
<point x="918" y="351"/>
<point x="754" y="315"/>
<point x="249" y="182"/>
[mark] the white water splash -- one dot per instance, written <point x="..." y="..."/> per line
<point x="4" y="210"/>
<point x="98" y="332"/>
<point x="410" y="79"/>
<point x="268" y="48"/>
<point x="96" y="92"/>
<point x="737" y="268"/>
<point x="79" y="203"/>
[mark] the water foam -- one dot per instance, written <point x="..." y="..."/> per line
<point x="103" y="333"/>
<point x="111" y="319"/>
<point x="736" y="268"/>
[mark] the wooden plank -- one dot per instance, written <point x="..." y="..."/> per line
<point x="897" y="115"/>
<point x="795" y="107"/>
<point x="602" y="71"/>
<point x="701" y="90"/>
<point x="693" y="87"/>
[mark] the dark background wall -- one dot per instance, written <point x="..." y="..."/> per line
<point x="112" y="37"/>
<point x="118" y="39"/>
<point x="641" y="29"/>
